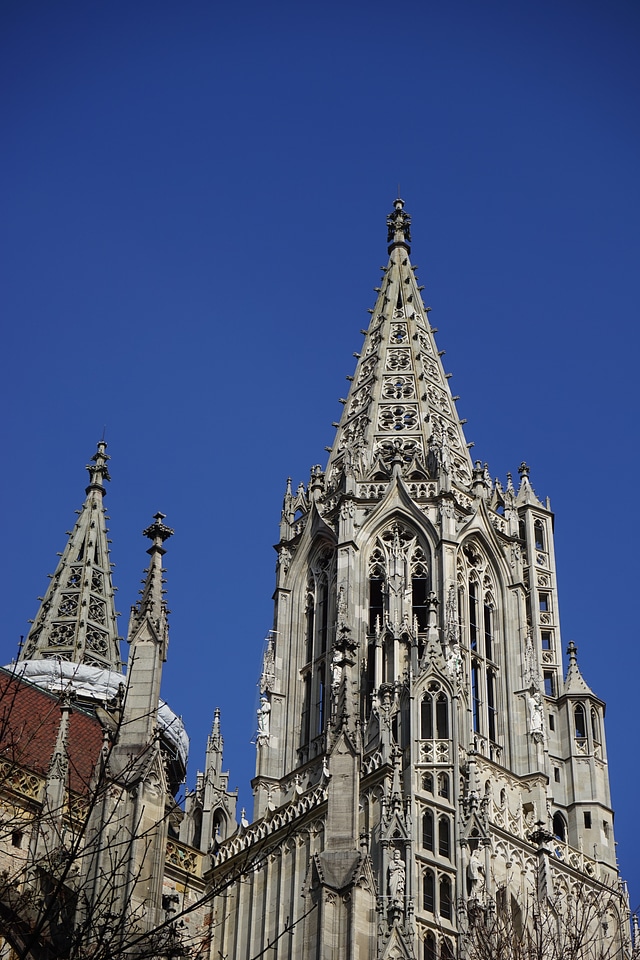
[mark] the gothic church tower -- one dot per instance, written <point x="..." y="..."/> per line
<point x="420" y="756"/>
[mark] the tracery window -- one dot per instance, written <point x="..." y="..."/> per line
<point x="319" y="615"/>
<point x="434" y="714"/>
<point x="479" y="631"/>
<point x="399" y="559"/>
<point x="310" y="610"/>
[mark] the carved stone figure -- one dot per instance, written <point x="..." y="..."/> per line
<point x="264" y="721"/>
<point x="396" y="877"/>
<point x="454" y="662"/>
<point x="336" y="672"/>
<point x="536" y="713"/>
<point x="475" y="873"/>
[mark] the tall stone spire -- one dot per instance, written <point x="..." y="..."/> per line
<point x="399" y="409"/>
<point x="77" y="617"/>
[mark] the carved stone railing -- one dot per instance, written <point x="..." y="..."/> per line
<point x="185" y="858"/>
<point x="266" y="827"/>
<point x="434" y="751"/>
<point x="20" y="781"/>
<point x="575" y="858"/>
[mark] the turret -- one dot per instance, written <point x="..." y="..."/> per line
<point x="581" y="791"/>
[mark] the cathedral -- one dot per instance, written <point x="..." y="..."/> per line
<point x="429" y="782"/>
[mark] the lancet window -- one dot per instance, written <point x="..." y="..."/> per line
<point x="437" y="894"/>
<point x="319" y="617"/>
<point x="444" y="837"/>
<point x="429" y="952"/>
<point x="434" y="714"/>
<point x="427" y="830"/>
<point x="479" y="630"/>
<point x="586" y="726"/>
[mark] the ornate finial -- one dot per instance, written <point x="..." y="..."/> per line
<point x="398" y="224"/>
<point x="216" y="733"/>
<point x="572" y="653"/>
<point x="98" y="468"/>
<point x="158" y="532"/>
<point x="523" y="469"/>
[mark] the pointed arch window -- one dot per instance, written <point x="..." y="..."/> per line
<point x="473" y="615"/>
<point x="442" y="716"/>
<point x="429" y="891"/>
<point x="427" y="830"/>
<point x="595" y="726"/>
<point x="444" y="837"/>
<point x="419" y="587"/>
<point x="443" y="785"/>
<point x="309" y="624"/>
<point x="306" y="711"/>
<point x="446" y="950"/>
<point x="320" y="702"/>
<point x="427" y="783"/>
<point x="445" y="898"/>
<point x="491" y="705"/>
<point x="488" y="631"/>
<point x="559" y="827"/>
<point x="580" y="722"/>
<point x="426" y="717"/>
<point x="434" y="715"/>
<point x="476" y="704"/>
<point x="481" y="628"/>
<point x="323" y="615"/>
<point x="376" y="601"/>
<point x="539" y="537"/>
<point x="429" y="952"/>
<point x="399" y="556"/>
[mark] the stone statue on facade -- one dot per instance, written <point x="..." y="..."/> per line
<point x="475" y="873"/>
<point x="536" y="714"/>
<point x="264" y="721"/>
<point x="396" y="877"/>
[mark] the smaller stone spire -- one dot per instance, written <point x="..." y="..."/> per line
<point x="152" y="605"/>
<point x="575" y="682"/>
<point x="50" y="833"/>
<point x="149" y="640"/>
<point x="526" y="493"/>
<point x="77" y="617"/>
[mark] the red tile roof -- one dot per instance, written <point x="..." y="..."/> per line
<point x="29" y="722"/>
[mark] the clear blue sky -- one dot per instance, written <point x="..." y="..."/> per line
<point x="193" y="218"/>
